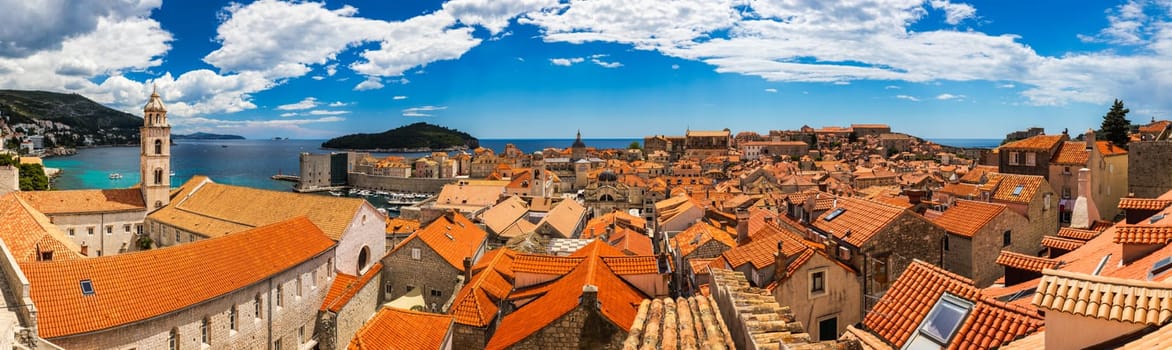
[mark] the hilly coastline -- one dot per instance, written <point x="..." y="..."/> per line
<point x="415" y="137"/>
<point x="75" y="118"/>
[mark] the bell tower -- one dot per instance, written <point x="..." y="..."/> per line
<point x="155" y="154"/>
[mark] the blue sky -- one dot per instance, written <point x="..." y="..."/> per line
<point x="612" y="68"/>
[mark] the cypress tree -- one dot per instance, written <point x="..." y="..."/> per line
<point x="1115" y="125"/>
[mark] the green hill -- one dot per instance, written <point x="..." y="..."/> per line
<point x="205" y="136"/>
<point x="418" y="136"/>
<point x="84" y="116"/>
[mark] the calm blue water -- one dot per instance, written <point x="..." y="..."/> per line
<point x="968" y="143"/>
<point x="242" y="162"/>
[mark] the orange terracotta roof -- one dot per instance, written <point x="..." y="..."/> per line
<point x="684" y="323"/>
<point x="698" y="235"/>
<point x="1159" y="339"/>
<point x="989" y="325"/>
<point x="1107" y="149"/>
<point x="498" y="217"/>
<point x="967" y="217"/>
<point x="452" y="236"/>
<point x="862" y="218"/>
<point x="631" y="265"/>
<point x="211" y="209"/>
<point x="618" y="301"/>
<point x="1030" y="185"/>
<point x="1137" y="234"/>
<point x="27" y="233"/>
<point x="477" y="303"/>
<point x="1026" y="262"/>
<point x="1109" y="298"/>
<point x="565" y="217"/>
<point x="616" y="218"/>
<point x="962" y="190"/>
<point x="84" y="201"/>
<point x="1038" y="143"/>
<point x="545" y="264"/>
<point x="187" y="274"/>
<point x="400" y="225"/>
<point x="700" y="265"/>
<point x="398" y="329"/>
<point x="1072" y="153"/>
<point x="1155" y="127"/>
<point x="1100" y="226"/>
<point x="974" y="175"/>
<point x="1074" y="233"/>
<point x="762" y="250"/>
<point x="345" y="287"/>
<point x="1061" y="243"/>
<point x="631" y="242"/>
<point x="1143" y="204"/>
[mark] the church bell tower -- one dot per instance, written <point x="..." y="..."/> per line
<point x="155" y="154"/>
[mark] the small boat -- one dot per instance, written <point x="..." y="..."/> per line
<point x="336" y="193"/>
<point x="115" y="176"/>
<point x="223" y="146"/>
<point x="394" y="209"/>
<point x="172" y="173"/>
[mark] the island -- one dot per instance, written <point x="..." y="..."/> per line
<point x="417" y="137"/>
<point x="206" y="136"/>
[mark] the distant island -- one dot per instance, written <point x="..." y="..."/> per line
<point x="206" y="136"/>
<point x="418" y="137"/>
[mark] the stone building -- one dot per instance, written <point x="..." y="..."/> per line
<point x="347" y="305"/>
<point x="976" y="234"/>
<point x="475" y="308"/>
<point x="99" y="222"/>
<point x="755" y="320"/>
<point x="676" y="214"/>
<point x="260" y="288"/>
<point x="1149" y="165"/>
<point x="865" y="130"/>
<point x="9" y="178"/>
<point x="756" y="149"/>
<point x="1030" y="156"/>
<point x="433" y="260"/>
<point x="1108" y="174"/>
<point x="204" y="209"/>
<point x="155" y="154"/>
<point x="1030" y="196"/>
<point x="324" y="170"/>
<point x="704" y="144"/>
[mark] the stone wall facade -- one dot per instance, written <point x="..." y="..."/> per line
<point x="398" y="184"/>
<point x="468" y="337"/>
<point x="582" y="328"/>
<point x="976" y="257"/>
<point x="102" y="233"/>
<point x="9" y="179"/>
<point x="292" y="323"/>
<point x="842" y="298"/>
<point x="892" y="249"/>
<point x="367" y="231"/>
<point x="336" y="331"/>
<point x="1149" y="165"/>
<point x="430" y="273"/>
<point x="709" y="250"/>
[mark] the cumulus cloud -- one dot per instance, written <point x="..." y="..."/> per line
<point x="35" y="26"/>
<point x="954" y="13"/>
<point x="327" y="112"/>
<point x="947" y="96"/>
<point x="289" y="114"/>
<point x="399" y="97"/>
<point x="371" y="83"/>
<point x="566" y="62"/>
<point x="338" y="104"/>
<point x="908" y="97"/>
<point x="493" y="15"/>
<point x="606" y="64"/>
<point x="422" y="111"/>
<point x="1127" y="25"/>
<point x="307" y="103"/>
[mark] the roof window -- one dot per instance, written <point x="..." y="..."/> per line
<point x="937" y="330"/>
<point x="1160" y="267"/>
<point x="87" y="287"/>
<point x="1017" y="190"/>
<point x="1157" y="218"/>
<point x="834" y="214"/>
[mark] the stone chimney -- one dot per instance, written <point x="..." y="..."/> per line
<point x="607" y="234"/>
<point x="742" y="227"/>
<point x="1089" y="136"/>
<point x="589" y="296"/>
<point x="780" y="262"/>
<point x="467" y="269"/>
<point x="1084" y="213"/>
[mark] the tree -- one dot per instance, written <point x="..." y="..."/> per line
<point x="1115" y="125"/>
<point x="32" y="178"/>
<point x="634" y="145"/>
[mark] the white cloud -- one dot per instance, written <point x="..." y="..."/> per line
<point x="954" y="13"/>
<point x="327" y="112"/>
<point x="1127" y="25"/>
<point x="31" y="27"/>
<point x="605" y="64"/>
<point x="675" y="67"/>
<point x="908" y="97"/>
<point x="891" y="87"/>
<point x="415" y="42"/>
<point x="332" y="69"/>
<point x="399" y="97"/>
<point x="566" y="62"/>
<point x="371" y="83"/>
<point x="947" y="96"/>
<point x="493" y="15"/>
<point x="422" y="111"/>
<point x="1006" y="86"/>
<point x="289" y="114"/>
<point x="771" y="90"/>
<point x="338" y="104"/>
<point x="307" y="103"/>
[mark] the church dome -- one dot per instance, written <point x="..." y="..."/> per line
<point x="155" y="104"/>
<point x="608" y="176"/>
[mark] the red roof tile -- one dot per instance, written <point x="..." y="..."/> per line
<point x="1026" y="262"/>
<point x="967" y="217"/>
<point x="1074" y="233"/>
<point x="398" y="329"/>
<point x="28" y="233"/>
<point x="992" y="324"/>
<point x="545" y="264"/>
<point x="187" y="274"/>
<point x="862" y="218"/>
<point x="698" y="235"/>
<point x="84" y="201"/>
<point x="345" y="287"/>
<point x="1072" y="153"/>
<point x="452" y="236"/>
<point x="1038" y="143"/>
<point x="631" y="265"/>
<point x="477" y="303"/>
<point x="1009" y="184"/>
<point x="1143" y="204"/>
<point x="1061" y="243"/>
<point x="1136" y="234"/>
<point x="1107" y="148"/>
<point x="1116" y="299"/>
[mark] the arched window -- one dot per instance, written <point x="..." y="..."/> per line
<point x="173" y="339"/>
<point x="204" y="332"/>
<point x="256" y="305"/>
<point x="158" y="146"/>
<point x="363" y="256"/>
<point x="158" y="176"/>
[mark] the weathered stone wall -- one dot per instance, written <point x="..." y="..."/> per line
<point x="959" y="258"/>
<point x="252" y="331"/>
<point x="988" y="244"/>
<point x="9" y="179"/>
<point x="842" y="298"/>
<point x="580" y="328"/>
<point x="315" y="170"/>
<point x="351" y="317"/>
<point x="908" y="237"/>
<point x="1149" y="165"/>
<point x="398" y="184"/>
<point x="711" y="249"/>
<point x="100" y="242"/>
<point x="469" y="337"/>
<point x="430" y="272"/>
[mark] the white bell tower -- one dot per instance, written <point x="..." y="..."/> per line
<point x="155" y="154"/>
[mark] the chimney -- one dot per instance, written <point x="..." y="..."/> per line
<point x="742" y="227"/>
<point x="1084" y="213"/>
<point x="589" y="296"/>
<point x="915" y="197"/>
<point x="467" y="269"/>
<point x="1089" y="136"/>
<point x="609" y="232"/>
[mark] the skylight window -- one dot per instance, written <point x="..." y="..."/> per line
<point x="1160" y="267"/>
<point x="1157" y="218"/>
<point x="938" y="329"/>
<point x="1017" y="190"/>
<point x="87" y="287"/>
<point x="834" y="214"/>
